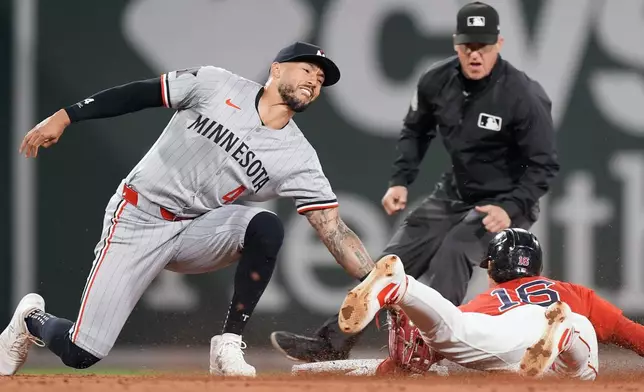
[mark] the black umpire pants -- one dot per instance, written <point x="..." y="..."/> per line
<point x="441" y="237"/>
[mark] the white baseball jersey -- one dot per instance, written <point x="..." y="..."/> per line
<point x="216" y="150"/>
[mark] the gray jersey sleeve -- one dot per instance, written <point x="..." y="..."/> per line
<point x="309" y="187"/>
<point x="187" y="88"/>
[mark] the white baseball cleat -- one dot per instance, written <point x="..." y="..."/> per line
<point x="557" y="337"/>
<point x="385" y="285"/>
<point x="227" y="357"/>
<point x="16" y="340"/>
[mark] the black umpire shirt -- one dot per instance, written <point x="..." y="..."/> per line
<point x="498" y="132"/>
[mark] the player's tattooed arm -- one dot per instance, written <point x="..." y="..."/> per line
<point x="341" y="241"/>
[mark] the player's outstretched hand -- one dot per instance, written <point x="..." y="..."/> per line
<point x="496" y="220"/>
<point x="395" y="199"/>
<point x="45" y="134"/>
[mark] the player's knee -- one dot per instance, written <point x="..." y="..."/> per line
<point x="77" y="358"/>
<point x="265" y="232"/>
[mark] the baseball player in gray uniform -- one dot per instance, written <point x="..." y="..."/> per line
<point x="229" y="139"/>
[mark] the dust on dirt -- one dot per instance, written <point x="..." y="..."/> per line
<point x="623" y="382"/>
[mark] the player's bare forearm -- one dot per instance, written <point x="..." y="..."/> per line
<point x="341" y="241"/>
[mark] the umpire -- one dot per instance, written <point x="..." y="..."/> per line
<point x="496" y="125"/>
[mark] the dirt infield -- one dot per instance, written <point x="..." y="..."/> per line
<point x="627" y="382"/>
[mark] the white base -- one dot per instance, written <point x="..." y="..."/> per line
<point x="352" y="367"/>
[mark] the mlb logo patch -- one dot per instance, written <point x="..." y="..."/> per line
<point x="524" y="261"/>
<point x="490" y="122"/>
<point x="321" y="53"/>
<point x="476" y="21"/>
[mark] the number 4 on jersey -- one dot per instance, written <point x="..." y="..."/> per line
<point x="544" y="297"/>
<point x="234" y="194"/>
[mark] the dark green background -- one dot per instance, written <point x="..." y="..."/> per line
<point x="5" y="156"/>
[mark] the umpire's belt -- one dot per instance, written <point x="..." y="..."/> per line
<point x="140" y="202"/>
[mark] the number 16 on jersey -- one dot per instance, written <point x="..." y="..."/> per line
<point x="536" y="292"/>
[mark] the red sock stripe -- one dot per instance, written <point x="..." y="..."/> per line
<point x="110" y="234"/>
<point x="593" y="369"/>
<point x="586" y="343"/>
<point x="590" y="352"/>
<point x="564" y="340"/>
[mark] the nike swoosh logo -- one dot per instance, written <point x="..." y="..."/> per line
<point x="232" y="105"/>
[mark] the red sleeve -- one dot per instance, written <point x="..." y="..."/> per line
<point x="629" y="334"/>
<point x="602" y="314"/>
<point x="611" y="326"/>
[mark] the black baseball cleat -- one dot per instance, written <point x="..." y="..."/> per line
<point x="304" y="348"/>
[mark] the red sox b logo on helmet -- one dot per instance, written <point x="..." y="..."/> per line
<point x="524" y="261"/>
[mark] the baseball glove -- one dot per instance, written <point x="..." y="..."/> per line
<point x="408" y="352"/>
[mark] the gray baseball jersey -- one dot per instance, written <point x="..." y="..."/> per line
<point x="215" y="149"/>
<point x="174" y="209"/>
